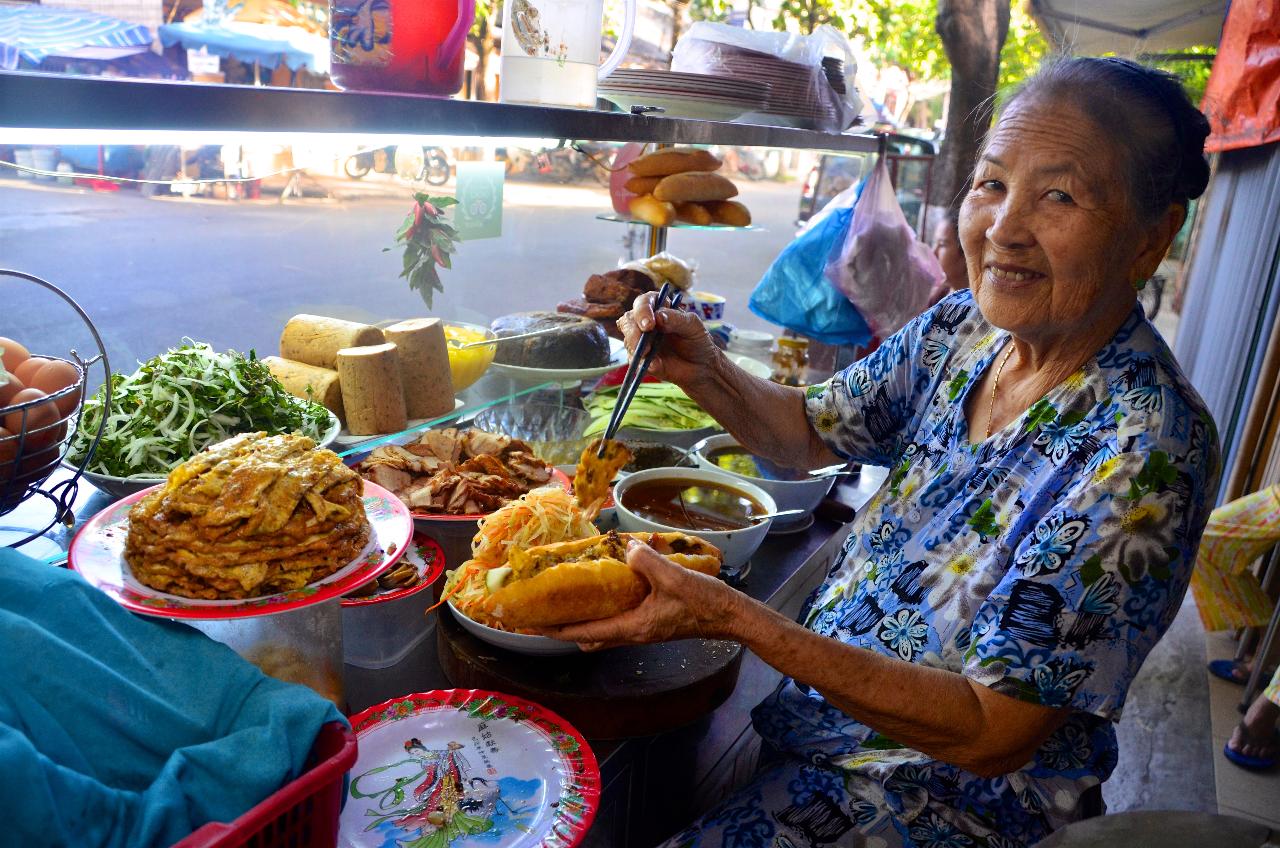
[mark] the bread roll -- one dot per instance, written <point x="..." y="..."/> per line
<point x="587" y="579"/>
<point x="642" y="185"/>
<point x="423" y="352"/>
<point x="731" y="213"/>
<point x="297" y="377"/>
<point x="372" y="393"/>
<point x="685" y="188"/>
<point x="674" y="160"/>
<point x="653" y="212"/>
<point x="316" y="340"/>
<point x="693" y="213"/>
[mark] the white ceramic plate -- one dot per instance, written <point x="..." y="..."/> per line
<point x="617" y="356"/>
<point x="347" y="440"/>
<point x="520" y="643"/>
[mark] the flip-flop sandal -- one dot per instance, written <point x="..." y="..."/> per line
<point x="1252" y="763"/>
<point x="1230" y="671"/>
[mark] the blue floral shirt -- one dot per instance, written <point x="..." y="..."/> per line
<point x="1044" y="562"/>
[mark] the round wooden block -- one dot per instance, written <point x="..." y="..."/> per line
<point x="639" y="690"/>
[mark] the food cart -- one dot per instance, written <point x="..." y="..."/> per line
<point x="668" y="723"/>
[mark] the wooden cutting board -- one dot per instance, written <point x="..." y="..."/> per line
<point x="618" y="693"/>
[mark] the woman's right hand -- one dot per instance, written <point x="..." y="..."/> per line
<point x="685" y="351"/>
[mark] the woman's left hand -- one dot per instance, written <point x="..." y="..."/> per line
<point x="681" y="604"/>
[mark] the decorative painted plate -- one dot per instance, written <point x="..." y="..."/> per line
<point x="465" y="768"/>
<point x="426" y="556"/>
<point x="97" y="552"/>
<point x="428" y="518"/>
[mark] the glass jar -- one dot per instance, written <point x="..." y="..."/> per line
<point x="790" y="360"/>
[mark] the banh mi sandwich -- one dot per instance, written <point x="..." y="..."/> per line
<point x="583" y="580"/>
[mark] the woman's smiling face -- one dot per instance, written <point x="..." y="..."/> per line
<point x="1049" y="236"/>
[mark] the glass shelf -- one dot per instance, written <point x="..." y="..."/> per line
<point x="678" y="225"/>
<point x="59" y="101"/>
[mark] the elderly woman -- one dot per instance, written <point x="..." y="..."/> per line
<point x="956" y="679"/>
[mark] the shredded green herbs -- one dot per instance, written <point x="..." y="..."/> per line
<point x="180" y="402"/>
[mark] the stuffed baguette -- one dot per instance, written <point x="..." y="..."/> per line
<point x="583" y="580"/>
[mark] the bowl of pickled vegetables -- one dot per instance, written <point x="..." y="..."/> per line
<point x="468" y="364"/>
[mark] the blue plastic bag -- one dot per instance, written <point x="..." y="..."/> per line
<point x="795" y="292"/>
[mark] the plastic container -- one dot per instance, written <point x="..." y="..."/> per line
<point x="303" y="645"/>
<point x="754" y="343"/>
<point x="380" y="630"/>
<point x="410" y="46"/>
<point x="303" y="812"/>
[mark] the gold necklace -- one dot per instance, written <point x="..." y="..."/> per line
<point x="991" y="404"/>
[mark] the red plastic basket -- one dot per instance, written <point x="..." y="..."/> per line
<point x="301" y="814"/>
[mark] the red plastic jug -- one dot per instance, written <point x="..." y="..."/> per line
<point x="410" y="46"/>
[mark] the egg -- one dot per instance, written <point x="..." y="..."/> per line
<point x="38" y="418"/>
<point x="10" y="389"/>
<point x="28" y="369"/>
<point x="55" y="377"/>
<point x="8" y="450"/>
<point x="14" y="353"/>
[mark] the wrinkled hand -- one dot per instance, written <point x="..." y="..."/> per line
<point x="681" y="604"/>
<point x="685" y="351"/>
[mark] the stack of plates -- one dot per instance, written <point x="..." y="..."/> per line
<point x="799" y="96"/>
<point x="685" y="95"/>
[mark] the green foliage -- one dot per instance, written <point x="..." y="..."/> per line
<point x="1194" y="73"/>
<point x="1024" y="47"/>
<point x="710" y="10"/>
<point x="428" y="244"/>
<point x="811" y="14"/>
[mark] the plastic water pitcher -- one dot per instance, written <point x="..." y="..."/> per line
<point x="410" y="46"/>
<point x="551" y="51"/>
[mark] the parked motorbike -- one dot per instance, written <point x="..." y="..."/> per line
<point x="415" y="164"/>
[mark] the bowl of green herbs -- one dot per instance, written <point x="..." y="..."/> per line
<point x="177" y="404"/>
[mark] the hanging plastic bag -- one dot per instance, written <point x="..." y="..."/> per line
<point x="882" y="267"/>
<point x="794" y="293"/>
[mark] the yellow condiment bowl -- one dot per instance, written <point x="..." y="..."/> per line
<point x="468" y="365"/>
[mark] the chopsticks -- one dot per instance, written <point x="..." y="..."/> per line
<point x="646" y="349"/>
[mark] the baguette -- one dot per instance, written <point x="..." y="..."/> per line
<point x="693" y="213"/>
<point x="642" y="185"/>
<point x="730" y="213"/>
<point x="696" y="188"/>
<point x="674" y="160"/>
<point x="653" y="212"/>
<point x="587" y="579"/>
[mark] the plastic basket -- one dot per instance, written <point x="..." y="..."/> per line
<point x="301" y="814"/>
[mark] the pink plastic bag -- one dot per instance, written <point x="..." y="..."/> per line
<point x="884" y="270"/>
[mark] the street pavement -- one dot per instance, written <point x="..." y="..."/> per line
<point x="151" y="271"/>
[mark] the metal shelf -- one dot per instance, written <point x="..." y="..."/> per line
<point x="48" y="101"/>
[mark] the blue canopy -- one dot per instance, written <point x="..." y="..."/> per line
<point x="266" y="44"/>
<point x="34" y="33"/>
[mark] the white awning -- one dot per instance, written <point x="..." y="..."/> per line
<point x="1090" y="27"/>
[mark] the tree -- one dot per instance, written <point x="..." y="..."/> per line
<point x="973" y="33"/>
<point x="811" y="14"/>
<point x="488" y="14"/>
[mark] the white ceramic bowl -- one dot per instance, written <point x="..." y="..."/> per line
<point x="788" y="494"/>
<point x="520" y="643"/>
<point x="736" y="545"/>
<point x="122" y="487"/>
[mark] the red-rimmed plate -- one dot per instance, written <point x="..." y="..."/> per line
<point x="426" y="555"/>
<point x="466" y="767"/>
<point x="432" y="517"/>
<point x="97" y="552"/>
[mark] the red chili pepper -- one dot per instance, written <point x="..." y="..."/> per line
<point x="417" y="217"/>
<point x="435" y="254"/>
<point x="431" y="210"/>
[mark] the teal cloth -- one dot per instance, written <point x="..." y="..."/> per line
<point x="118" y="730"/>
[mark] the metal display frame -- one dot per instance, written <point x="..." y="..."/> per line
<point x="46" y="101"/>
<point x="61" y="494"/>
